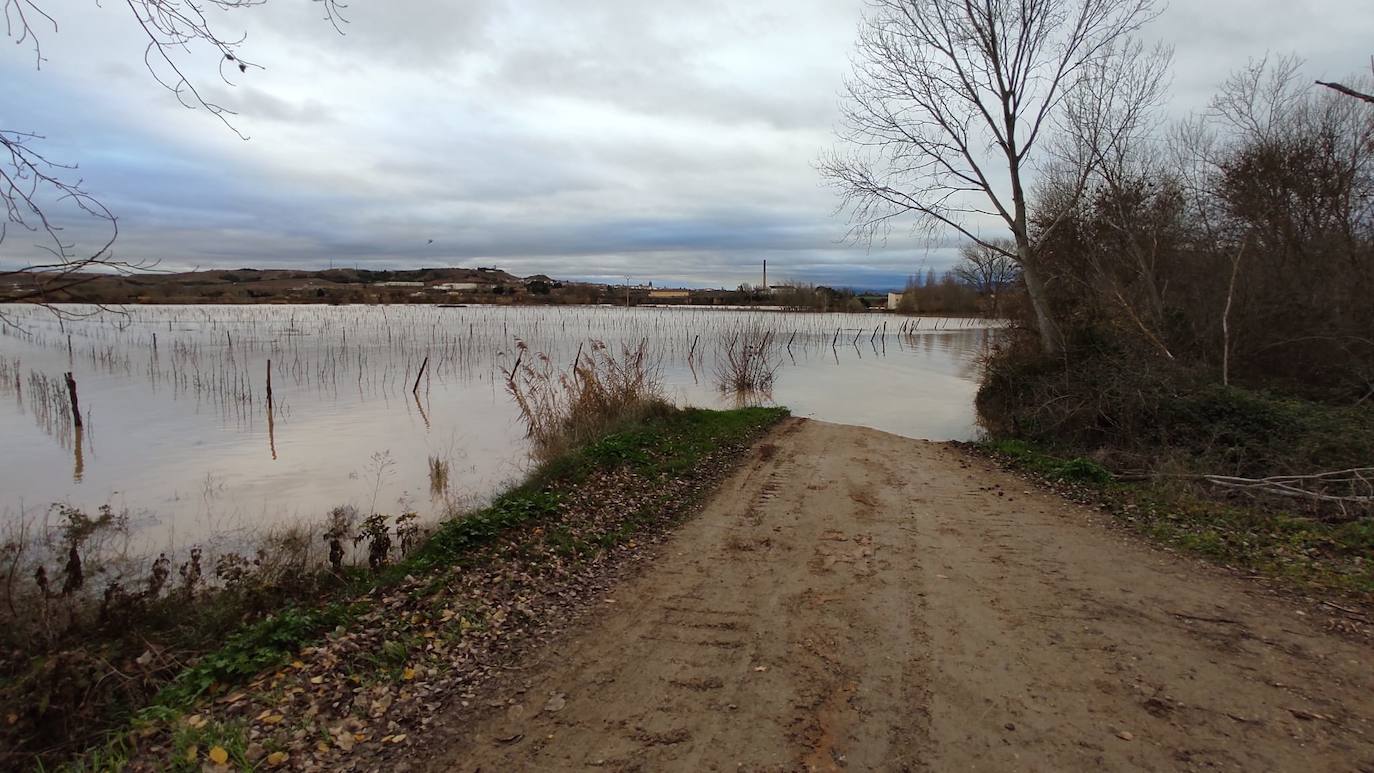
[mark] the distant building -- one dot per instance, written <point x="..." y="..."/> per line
<point x="400" y="284"/>
<point x="669" y="295"/>
<point x="893" y="301"/>
<point x="457" y="287"/>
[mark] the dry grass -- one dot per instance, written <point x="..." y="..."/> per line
<point x="747" y="364"/>
<point x="601" y="390"/>
<point x="438" y="475"/>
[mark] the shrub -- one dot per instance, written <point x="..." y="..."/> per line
<point x="1144" y="412"/>
<point x="746" y="364"/>
<point x="602" y="389"/>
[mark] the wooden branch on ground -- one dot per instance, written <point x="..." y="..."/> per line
<point x="1299" y="486"/>
<point x="1360" y="481"/>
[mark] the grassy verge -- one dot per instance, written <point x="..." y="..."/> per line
<point x="1294" y="548"/>
<point x="345" y="674"/>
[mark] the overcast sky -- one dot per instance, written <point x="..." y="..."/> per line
<point x="670" y="142"/>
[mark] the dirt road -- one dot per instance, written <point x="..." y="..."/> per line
<point x="852" y="600"/>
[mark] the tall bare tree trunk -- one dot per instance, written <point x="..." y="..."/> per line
<point x="1051" y="340"/>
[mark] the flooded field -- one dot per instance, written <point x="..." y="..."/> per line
<point x="177" y="428"/>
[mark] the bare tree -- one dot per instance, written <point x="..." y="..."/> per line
<point x="40" y="195"/>
<point x="988" y="269"/>
<point x="1109" y="121"/>
<point x="947" y="104"/>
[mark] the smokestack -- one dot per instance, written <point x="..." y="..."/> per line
<point x="765" y="274"/>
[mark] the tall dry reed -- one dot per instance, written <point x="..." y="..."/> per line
<point x="602" y="388"/>
<point x="746" y="365"/>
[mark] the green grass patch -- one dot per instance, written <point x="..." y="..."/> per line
<point x="1027" y="457"/>
<point x="258" y="647"/>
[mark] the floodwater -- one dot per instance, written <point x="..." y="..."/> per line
<point x="178" y="431"/>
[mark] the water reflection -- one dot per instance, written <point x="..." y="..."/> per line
<point x="282" y="406"/>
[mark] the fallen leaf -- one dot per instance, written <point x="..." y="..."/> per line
<point x="408" y="674"/>
<point x="277" y="758"/>
<point x="218" y="755"/>
<point x="1125" y="736"/>
<point x="556" y="703"/>
<point x="192" y="752"/>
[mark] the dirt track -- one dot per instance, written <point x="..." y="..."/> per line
<point x="852" y="600"/>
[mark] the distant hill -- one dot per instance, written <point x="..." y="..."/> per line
<point x="481" y="285"/>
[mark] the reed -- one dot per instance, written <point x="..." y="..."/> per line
<point x="747" y="363"/>
<point x="604" y="388"/>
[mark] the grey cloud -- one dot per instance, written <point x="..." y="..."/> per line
<point x="257" y="104"/>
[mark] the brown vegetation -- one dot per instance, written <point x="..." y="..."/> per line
<point x="600" y="390"/>
<point x="1214" y="292"/>
<point x="746" y="364"/>
<point x="90" y="631"/>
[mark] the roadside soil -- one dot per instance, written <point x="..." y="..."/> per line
<point x="853" y="600"/>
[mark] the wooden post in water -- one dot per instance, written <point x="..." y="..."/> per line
<point x="420" y="375"/>
<point x="269" y="382"/>
<point x="76" y="408"/>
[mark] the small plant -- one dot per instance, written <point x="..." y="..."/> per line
<point x="380" y="466"/>
<point x="191" y="573"/>
<point x="408" y="530"/>
<point x="341" y="521"/>
<point x="438" y="475"/>
<point x="1083" y="470"/>
<point x="157" y="578"/>
<point x="378" y="537"/>
<point x="233" y="569"/>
